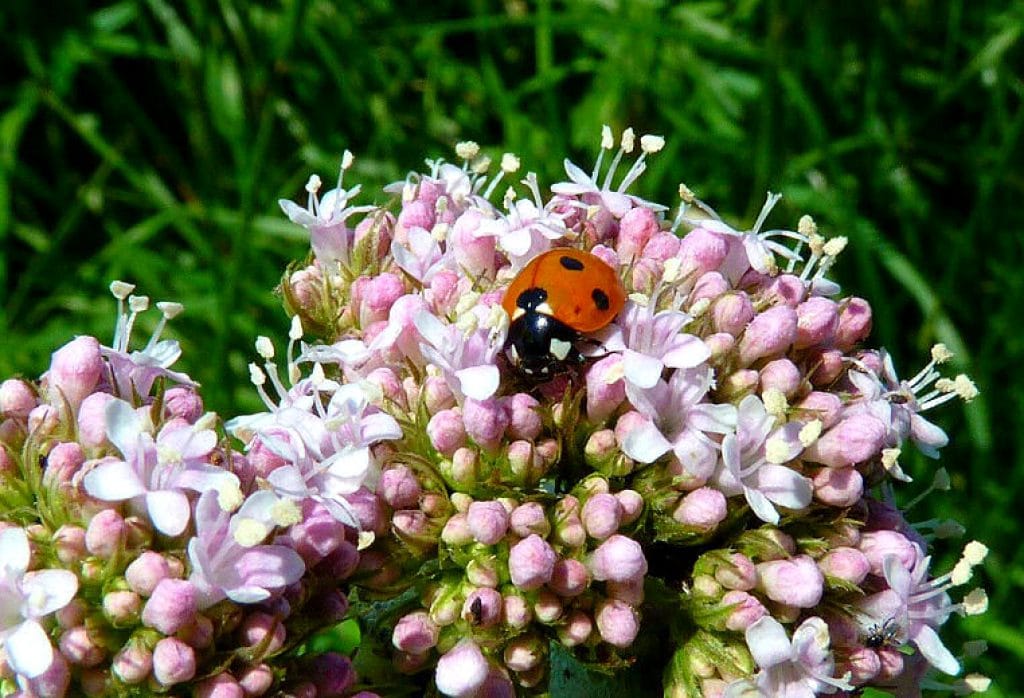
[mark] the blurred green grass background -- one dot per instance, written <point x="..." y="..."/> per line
<point x="150" y="140"/>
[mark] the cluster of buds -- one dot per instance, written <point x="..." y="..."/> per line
<point x="141" y="552"/>
<point x="518" y="574"/>
<point x="730" y="412"/>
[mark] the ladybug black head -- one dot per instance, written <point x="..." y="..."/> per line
<point x="538" y="344"/>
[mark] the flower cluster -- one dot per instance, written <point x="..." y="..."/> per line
<point x="715" y="469"/>
<point x="730" y="418"/>
<point x="141" y="553"/>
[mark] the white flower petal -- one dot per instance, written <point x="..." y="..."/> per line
<point x="14" y="553"/>
<point x="113" y="481"/>
<point x="767" y="642"/>
<point x="760" y="505"/>
<point x="123" y="426"/>
<point x="645" y="443"/>
<point x="782" y="485"/>
<point x="642" y="370"/>
<point x="687" y="352"/>
<point x="479" y="382"/>
<point x="29" y="651"/>
<point x="47" y="591"/>
<point x="930" y="644"/>
<point x="169" y="510"/>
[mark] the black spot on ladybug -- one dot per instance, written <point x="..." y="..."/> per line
<point x="531" y="298"/>
<point x="571" y="263"/>
<point x="601" y="299"/>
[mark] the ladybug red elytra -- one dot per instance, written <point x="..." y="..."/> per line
<point x="557" y="298"/>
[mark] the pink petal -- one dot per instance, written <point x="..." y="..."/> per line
<point x="113" y="481"/>
<point x="930" y="644"/>
<point x="50" y="590"/>
<point x="640" y="369"/>
<point x="645" y="444"/>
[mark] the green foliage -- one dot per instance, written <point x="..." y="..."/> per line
<point x="150" y="140"/>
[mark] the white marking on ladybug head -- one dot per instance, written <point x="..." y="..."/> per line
<point x="545" y="309"/>
<point x="560" y="349"/>
<point x="514" y="353"/>
<point x="518" y="313"/>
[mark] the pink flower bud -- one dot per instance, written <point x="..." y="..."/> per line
<point x="529" y="518"/>
<point x="848" y="564"/>
<point x="602" y="515"/>
<point x="770" y="333"/>
<point x="92" y="425"/>
<point x="173" y="661"/>
<point x="43" y="420"/>
<point x="222" y="685"/>
<point x="662" y="246"/>
<point x="79" y="649"/>
<point x="524" y="652"/>
<point x="878" y="545"/>
<point x="632" y="504"/>
<point x="121" y="608"/>
<point x="305" y="287"/>
<point x="618" y="559"/>
<point x="576" y="630"/>
<point x="703" y="509"/>
<point x="892" y="663"/>
<point x="786" y="289"/>
<point x="524" y="419"/>
<point x="399" y="487"/>
<point x="415" y="633"/>
<point x="444" y="292"/>
<point x="829" y="365"/>
<point x="146" y="571"/>
<point x="627" y="424"/>
<point x="853" y="440"/>
<point x="838" y="487"/>
<point x="17" y="399"/>
<point x="482" y="607"/>
<point x="263" y="459"/>
<point x="369" y="510"/>
<point x="781" y="375"/>
<point x="523" y="461"/>
<point x="517" y="611"/>
<point x="617" y="622"/>
<point x="183" y="402"/>
<point x="732" y="312"/>
<point x="738" y="574"/>
<point x="548" y="607"/>
<point x="174" y="603"/>
<point x="417" y="214"/>
<point x="333" y="673"/>
<point x="75" y="369"/>
<point x="256" y="681"/>
<point x="488" y="521"/>
<point x="381" y="293"/>
<point x="823" y="406"/>
<point x="863" y="665"/>
<point x="817" y="320"/>
<point x="854" y="323"/>
<point x="474" y="253"/>
<point x="437" y="394"/>
<point x="485" y="422"/>
<point x="709" y="287"/>
<point x="461" y="670"/>
<point x="72" y="615"/>
<point x="456" y="531"/>
<point x="635" y="230"/>
<point x="447" y="431"/>
<point x="569" y="577"/>
<point x="257" y="626"/>
<point x="701" y="251"/>
<point x="133" y="663"/>
<point x="531" y="562"/>
<point x="747" y="610"/>
<point x="63" y="461"/>
<point x="740" y="383"/>
<point x="601" y="451"/>
<point x="568" y="526"/>
<point x="719" y="344"/>
<point x="795" y="582"/>
<point x="105" y="533"/>
<point x="69" y="543"/>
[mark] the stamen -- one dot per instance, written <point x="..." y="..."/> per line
<point x="264" y="347"/>
<point x="810" y="432"/>
<point x="940" y="354"/>
<point x="121" y="289"/>
<point x="467" y="150"/>
<point x="627" y="141"/>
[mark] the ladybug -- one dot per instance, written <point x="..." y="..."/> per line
<point x="557" y="298"/>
